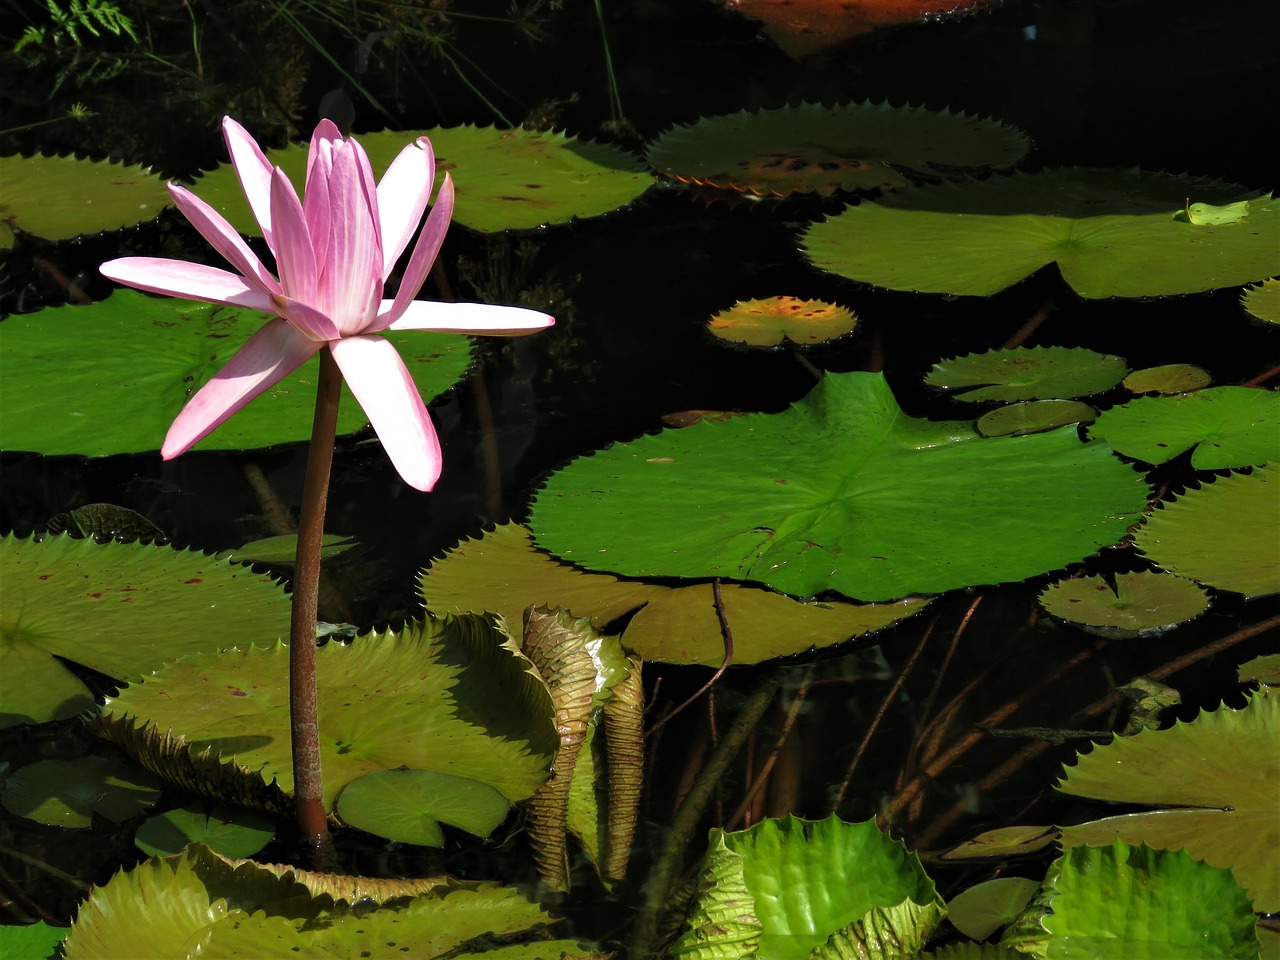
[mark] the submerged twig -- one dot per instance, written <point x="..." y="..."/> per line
<point x="726" y="635"/>
<point x="793" y="713"/>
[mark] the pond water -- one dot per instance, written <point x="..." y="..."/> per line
<point x="1172" y="86"/>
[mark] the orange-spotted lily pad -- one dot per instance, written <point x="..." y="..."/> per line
<point x="767" y="323"/>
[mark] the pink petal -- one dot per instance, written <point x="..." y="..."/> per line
<point x="425" y="251"/>
<point x="402" y="197"/>
<point x="381" y="382"/>
<point x="275" y="351"/>
<point x="254" y="171"/>
<point x="295" y="257"/>
<point x="482" y="319"/>
<point x="224" y="238"/>
<point x="353" y="261"/>
<point x="191" y="281"/>
<point x="313" y="324"/>
<point x="315" y="197"/>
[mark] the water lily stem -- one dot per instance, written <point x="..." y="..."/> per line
<point x="308" y="788"/>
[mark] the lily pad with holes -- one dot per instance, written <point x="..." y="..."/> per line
<point x="1110" y="232"/>
<point x="450" y="696"/>
<point x="767" y="323"/>
<point x="1139" y="603"/>
<point x="812" y="148"/>
<point x="1222" y="535"/>
<point x="1033" y="416"/>
<point x="1228" y="426"/>
<point x="504" y="179"/>
<point x="1263" y="301"/>
<point x="842" y="492"/>
<point x="1169" y="378"/>
<point x="57" y="198"/>
<point x="503" y="572"/>
<point x="127" y="365"/>
<point x="408" y="806"/>
<point x="1215" y="781"/>
<point x="226" y="830"/>
<point x="120" y="609"/>
<point x="1027" y="373"/>
<point x="69" y="793"/>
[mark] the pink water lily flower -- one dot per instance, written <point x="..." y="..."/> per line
<point x="334" y="250"/>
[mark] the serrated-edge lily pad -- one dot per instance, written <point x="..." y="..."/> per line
<point x="1228" y="426"/>
<point x="119" y="608"/>
<point x="811" y="148"/>
<point x="843" y="491"/>
<point x="32" y="941"/>
<point x="1139" y="603"/>
<point x="503" y="572"/>
<point x="58" y="198"/>
<point x="1033" y="416"/>
<point x="1168" y="379"/>
<point x="229" y="831"/>
<point x="504" y="179"/>
<point x="1111" y="233"/>
<point x="1027" y="373"/>
<point x="126" y="366"/>
<point x="68" y="793"/>
<point x="1215" y="778"/>
<point x="1222" y="535"/>
<point x="408" y="806"/>
<point x="1262" y="302"/>
<point x="768" y="322"/>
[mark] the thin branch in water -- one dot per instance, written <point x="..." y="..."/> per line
<point x="726" y="636"/>
<point x="793" y="713"/>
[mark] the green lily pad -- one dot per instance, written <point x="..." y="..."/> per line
<point x="1122" y="902"/>
<point x="1207" y="215"/>
<point x="1004" y="842"/>
<point x="225" y="830"/>
<point x="1216" y="781"/>
<point x="1221" y="535"/>
<point x="68" y="793"/>
<point x="504" y="179"/>
<point x="815" y="149"/>
<point x="1027" y="373"/>
<point x="1264" y="670"/>
<point x="120" y="609"/>
<point x="33" y="941"/>
<point x="504" y="573"/>
<point x="1169" y="378"/>
<point x="1033" y="416"/>
<point x="408" y="806"/>
<point x="767" y="323"/>
<point x="127" y="365"/>
<point x="57" y="198"/>
<point x="790" y="889"/>
<point x="284" y="548"/>
<point x="450" y="696"/>
<point x="197" y="904"/>
<point x="1139" y="603"/>
<point x="844" y="492"/>
<point x="105" y="521"/>
<point x="1228" y="426"/>
<point x="1110" y="232"/>
<point x="1263" y="301"/>
<point x="981" y="910"/>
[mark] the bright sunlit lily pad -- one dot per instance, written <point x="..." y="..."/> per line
<point x="57" y="198"/>
<point x="812" y="148"/>
<point x="767" y="323"/>
<point x="504" y="179"/>
<point x="1139" y="603"/>
<point x="1111" y="233"/>
<point x="69" y="793"/>
<point x="843" y="492"/>
<point x="408" y="806"/>
<point x="1027" y="373"/>
<point x="127" y="365"/>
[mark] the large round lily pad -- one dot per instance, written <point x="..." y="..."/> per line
<point x="1111" y="233"/>
<point x="121" y="609"/>
<point x="127" y="365"/>
<point x="843" y="492"/>
<point x="504" y="179"/>
<point x="811" y="148"/>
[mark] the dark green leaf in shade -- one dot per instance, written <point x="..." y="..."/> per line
<point x="1004" y="842"/>
<point x="1169" y="378"/>
<point x="503" y="572"/>
<point x="981" y="910"/>
<point x="504" y="179"/>
<point x="1228" y="426"/>
<point x="68" y="793"/>
<point x="1222" y="535"/>
<point x="1139" y="603"/>
<point x="843" y="492"/>
<point x="408" y="806"/>
<point x="1027" y="373"/>
<point x="1112" y="234"/>
<point x="1262" y="302"/>
<point x="230" y="831"/>
<point x="57" y="198"/>
<point x="1033" y="416"/>
<point x="284" y="548"/>
<point x="105" y="521"/>
<point x="1122" y="902"/>
<point x="812" y="148"/>
<point x="120" y="609"/>
<point x="126" y="366"/>
<point x="972" y="951"/>
<point x="770" y="322"/>
<point x="1216" y="782"/>
<point x="33" y="941"/>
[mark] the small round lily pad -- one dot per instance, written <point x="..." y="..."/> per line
<point x="1027" y="373"/>
<point x="67" y="793"/>
<point x="230" y="831"/>
<point x="1033" y="416"/>
<point x="1139" y="603"/>
<point x="767" y="323"/>
<point x="1263" y="301"/>
<point x="1168" y="379"/>
<point x="408" y="806"/>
